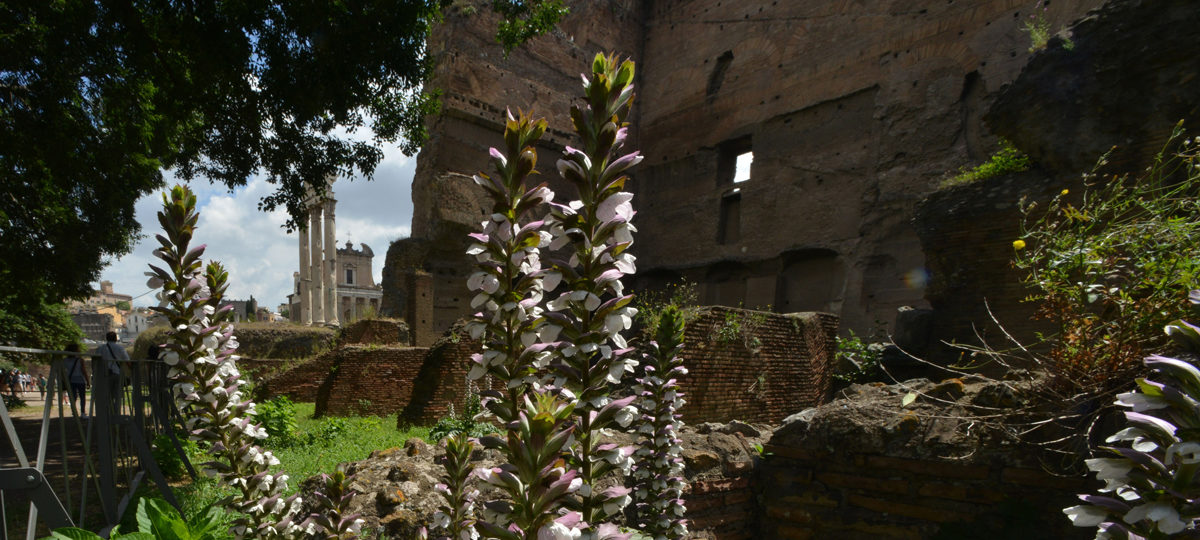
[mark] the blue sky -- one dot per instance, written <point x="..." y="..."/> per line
<point x="253" y="245"/>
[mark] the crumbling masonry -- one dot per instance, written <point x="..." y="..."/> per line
<point x="851" y="111"/>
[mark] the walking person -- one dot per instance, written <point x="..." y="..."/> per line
<point x="41" y="384"/>
<point x="112" y="354"/>
<point x="77" y="378"/>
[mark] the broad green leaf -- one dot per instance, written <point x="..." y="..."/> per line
<point x="73" y="533"/>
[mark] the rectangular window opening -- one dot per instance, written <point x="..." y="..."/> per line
<point x="349" y="277"/>
<point x="734" y="159"/>
<point x="741" y="170"/>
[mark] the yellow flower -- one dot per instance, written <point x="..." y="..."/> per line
<point x="1065" y="191"/>
<point x="1019" y="245"/>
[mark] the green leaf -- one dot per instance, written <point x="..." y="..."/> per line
<point x="908" y="399"/>
<point x="73" y="533"/>
<point x="165" y="521"/>
<point x="206" y="524"/>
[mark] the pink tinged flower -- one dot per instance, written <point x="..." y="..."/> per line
<point x="498" y="156"/>
<point x="476" y="329"/>
<point x="559" y="242"/>
<point x="551" y="280"/>
<point x="1140" y="442"/>
<point x="1106" y="468"/>
<point x="154" y="282"/>
<point x="1185" y="452"/>
<point x="626" y="415"/>
<point x="626" y="263"/>
<point x="1140" y="402"/>
<point x="578" y="156"/>
<point x="616" y="206"/>
<point x="548" y="333"/>
<point x="1165" y="516"/>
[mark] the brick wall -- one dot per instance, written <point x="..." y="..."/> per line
<point x="369" y="380"/>
<point x="301" y="382"/>
<point x="442" y="379"/>
<point x="766" y="367"/>
<point x="756" y="366"/>
<point x="837" y="494"/>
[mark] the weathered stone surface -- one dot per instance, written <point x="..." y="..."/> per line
<point x="1132" y="71"/>
<point x="396" y="497"/>
<point x="941" y="466"/>
<point x="852" y="111"/>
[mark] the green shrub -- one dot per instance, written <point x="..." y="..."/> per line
<point x="168" y="459"/>
<point x="278" y="417"/>
<point x="329" y="430"/>
<point x="464" y="423"/>
<point x="1111" y="267"/>
<point x="650" y="304"/>
<point x="863" y="356"/>
<point x="1006" y="160"/>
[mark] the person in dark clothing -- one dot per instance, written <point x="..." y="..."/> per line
<point x="77" y="378"/>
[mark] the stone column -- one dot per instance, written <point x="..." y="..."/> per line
<point x="317" y="269"/>
<point x="353" y="308"/>
<point x="332" y="306"/>
<point x="305" y="308"/>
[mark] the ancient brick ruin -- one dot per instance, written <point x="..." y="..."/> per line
<point x="852" y="112"/>
<point x="743" y="365"/>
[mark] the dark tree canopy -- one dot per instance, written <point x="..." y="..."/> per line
<point x="97" y="97"/>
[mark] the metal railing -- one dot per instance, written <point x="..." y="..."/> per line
<point x="130" y="406"/>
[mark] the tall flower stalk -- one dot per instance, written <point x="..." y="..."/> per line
<point x="658" y="466"/>
<point x="585" y="321"/>
<point x="457" y="516"/>
<point x="207" y="389"/>
<point x="508" y="287"/>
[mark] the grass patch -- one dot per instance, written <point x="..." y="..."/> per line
<point x="357" y="437"/>
<point x="334" y="440"/>
<point x="1006" y="160"/>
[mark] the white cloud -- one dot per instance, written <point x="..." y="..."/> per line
<point x="257" y="251"/>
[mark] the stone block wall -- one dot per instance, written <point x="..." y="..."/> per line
<point x="756" y="366"/>
<point x="377" y="331"/>
<point x="838" y="494"/>
<point x="369" y="380"/>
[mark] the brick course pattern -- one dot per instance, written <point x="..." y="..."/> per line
<point x="817" y="494"/>
<point x="756" y="366"/>
<point x="375" y="380"/>
<point x="441" y="380"/>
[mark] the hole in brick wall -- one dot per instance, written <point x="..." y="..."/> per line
<point x="734" y="158"/>
<point x="718" y="73"/>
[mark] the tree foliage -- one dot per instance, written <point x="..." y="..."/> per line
<point x="97" y="97"/>
<point x="38" y="326"/>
